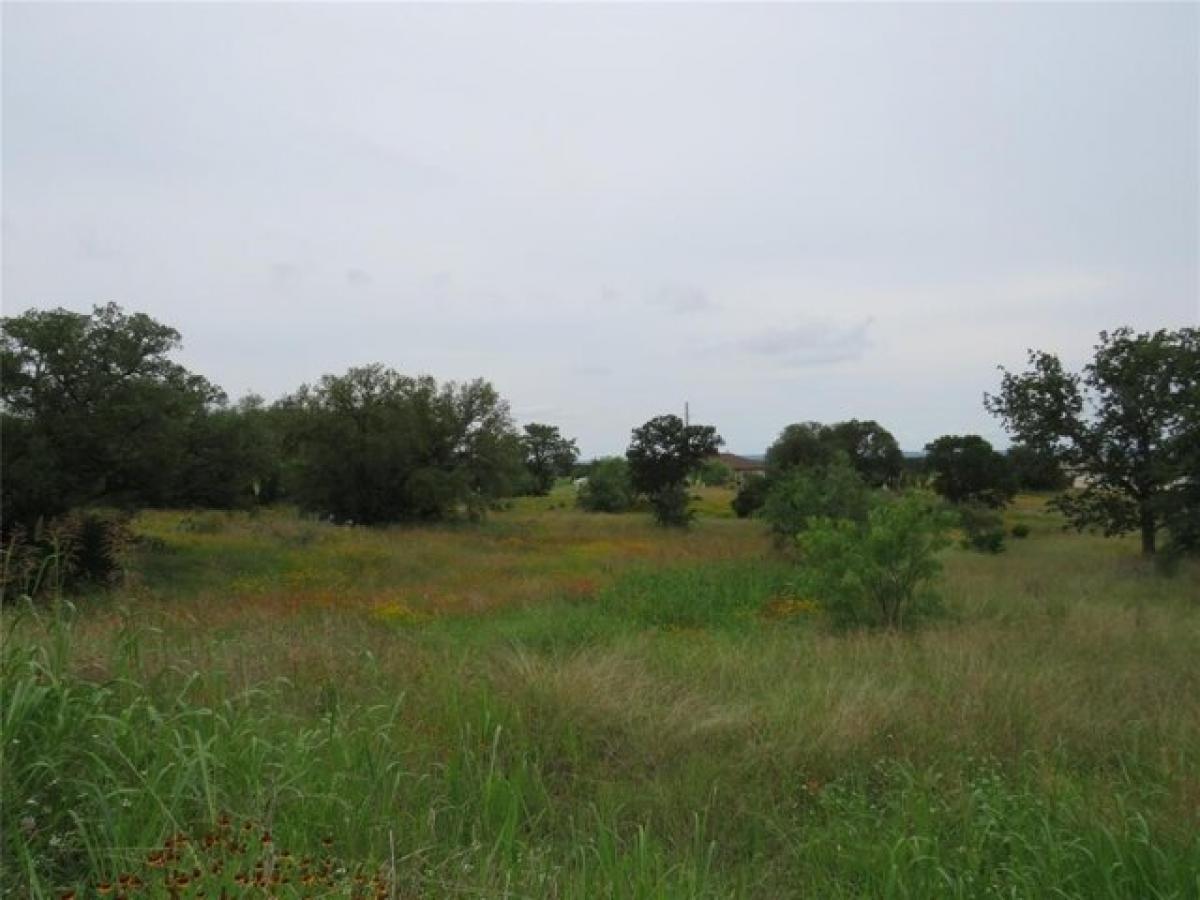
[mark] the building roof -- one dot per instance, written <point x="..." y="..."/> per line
<point x="740" y="463"/>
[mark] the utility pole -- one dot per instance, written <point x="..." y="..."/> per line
<point x="686" y="418"/>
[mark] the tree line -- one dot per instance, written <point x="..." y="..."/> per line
<point x="96" y="414"/>
<point x="1118" y="441"/>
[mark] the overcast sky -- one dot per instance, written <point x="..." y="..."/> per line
<point x="776" y="213"/>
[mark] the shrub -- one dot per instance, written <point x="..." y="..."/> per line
<point x="966" y="469"/>
<point x="880" y="573"/>
<point x="670" y="505"/>
<point x="983" y="528"/>
<point x="608" y="487"/>
<point x="834" y="491"/>
<point x="1020" y="531"/>
<point x="751" y="497"/>
<point x="81" y="548"/>
<point x="715" y="473"/>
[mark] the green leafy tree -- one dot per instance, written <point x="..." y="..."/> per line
<point x="232" y="459"/>
<point x="800" y="445"/>
<point x="833" y="491"/>
<point x="608" y="488"/>
<point x="95" y="411"/>
<point x="871" y="449"/>
<point x="1036" y="470"/>
<point x="982" y="527"/>
<point x="880" y="573"/>
<point x="1129" y="424"/>
<point x="671" y="506"/>
<point x="965" y="469"/>
<point x="374" y="446"/>
<point x="714" y="473"/>
<point x="547" y="455"/>
<point x="751" y="497"/>
<point x="663" y="453"/>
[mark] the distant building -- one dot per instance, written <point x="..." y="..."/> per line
<point x="742" y="467"/>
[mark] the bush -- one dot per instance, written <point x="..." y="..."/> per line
<point x="1020" y="531"/>
<point x="751" y="497"/>
<point x="608" y="487"/>
<point x="79" y="549"/>
<point x="983" y="528"/>
<point x="714" y="473"/>
<point x="966" y="469"/>
<point x="880" y="573"/>
<point x="834" y="491"/>
<point x="670" y="505"/>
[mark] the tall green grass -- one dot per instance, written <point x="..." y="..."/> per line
<point x="656" y="737"/>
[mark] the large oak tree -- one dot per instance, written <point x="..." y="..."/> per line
<point x="663" y="452"/>
<point x="1128" y="426"/>
<point x="547" y="455"/>
<point x="373" y="446"/>
<point x="95" y="411"/>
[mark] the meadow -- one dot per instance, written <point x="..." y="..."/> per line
<point x="560" y="704"/>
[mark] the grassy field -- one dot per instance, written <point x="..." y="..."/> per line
<point x="555" y="704"/>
